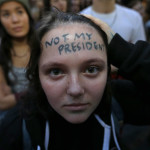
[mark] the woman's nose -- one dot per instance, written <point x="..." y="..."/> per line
<point x="14" y="18"/>
<point x="75" y="88"/>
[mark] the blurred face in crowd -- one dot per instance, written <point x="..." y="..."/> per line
<point x="75" y="6"/>
<point x="139" y="8"/>
<point x="39" y="4"/>
<point x="73" y="70"/>
<point x="14" y="19"/>
<point x="59" y="4"/>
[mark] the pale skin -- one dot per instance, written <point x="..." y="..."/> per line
<point x="73" y="81"/>
<point x="103" y="6"/>
<point x="15" y="20"/>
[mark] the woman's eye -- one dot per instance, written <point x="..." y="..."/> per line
<point x="20" y="12"/>
<point x="92" y="70"/>
<point x="5" y="15"/>
<point x="55" y="72"/>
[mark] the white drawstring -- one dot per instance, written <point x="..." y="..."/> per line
<point x="114" y="133"/>
<point x="107" y="133"/>
<point x="38" y="147"/>
<point x="47" y="135"/>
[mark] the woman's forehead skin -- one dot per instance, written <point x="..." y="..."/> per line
<point x="72" y="39"/>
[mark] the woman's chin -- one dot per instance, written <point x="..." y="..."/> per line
<point x="76" y="119"/>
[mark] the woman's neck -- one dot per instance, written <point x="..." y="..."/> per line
<point x="20" y="45"/>
<point x="103" y="6"/>
<point x="20" y="51"/>
<point x="19" y="41"/>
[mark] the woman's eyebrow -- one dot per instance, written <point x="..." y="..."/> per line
<point x="57" y="64"/>
<point x="51" y="64"/>
<point x="7" y="10"/>
<point x="19" y="7"/>
<point x="98" y="60"/>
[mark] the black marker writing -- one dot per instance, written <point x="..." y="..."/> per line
<point x="53" y="40"/>
<point x="77" y="36"/>
<point x="74" y="47"/>
<point x="65" y="37"/>
<point x="69" y="47"/>
<point x="89" y="36"/>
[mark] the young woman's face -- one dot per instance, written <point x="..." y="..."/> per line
<point x="73" y="70"/>
<point x="59" y="4"/>
<point x="14" y="19"/>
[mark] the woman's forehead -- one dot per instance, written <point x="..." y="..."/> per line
<point x="67" y="41"/>
<point x="62" y="44"/>
<point x="71" y="28"/>
<point x="10" y="5"/>
<point x="73" y="34"/>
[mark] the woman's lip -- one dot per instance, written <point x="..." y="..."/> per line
<point x="17" y="29"/>
<point x="76" y="107"/>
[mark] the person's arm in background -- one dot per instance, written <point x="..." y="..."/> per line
<point x="7" y="98"/>
<point x="133" y="61"/>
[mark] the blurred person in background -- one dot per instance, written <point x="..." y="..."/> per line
<point x="147" y="21"/>
<point x="17" y="29"/>
<point x="42" y="6"/>
<point x="85" y="3"/>
<point x="127" y="22"/>
<point x="75" y="5"/>
<point x="37" y="11"/>
<point x="138" y="6"/>
<point x="59" y="4"/>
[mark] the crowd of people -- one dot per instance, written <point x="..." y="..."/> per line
<point x="109" y="16"/>
<point x="73" y="74"/>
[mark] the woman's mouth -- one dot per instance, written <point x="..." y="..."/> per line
<point x="76" y="106"/>
<point x="17" y="29"/>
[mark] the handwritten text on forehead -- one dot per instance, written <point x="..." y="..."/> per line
<point x="74" y="46"/>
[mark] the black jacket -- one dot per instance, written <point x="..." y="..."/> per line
<point x="57" y="134"/>
<point x="133" y="93"/>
